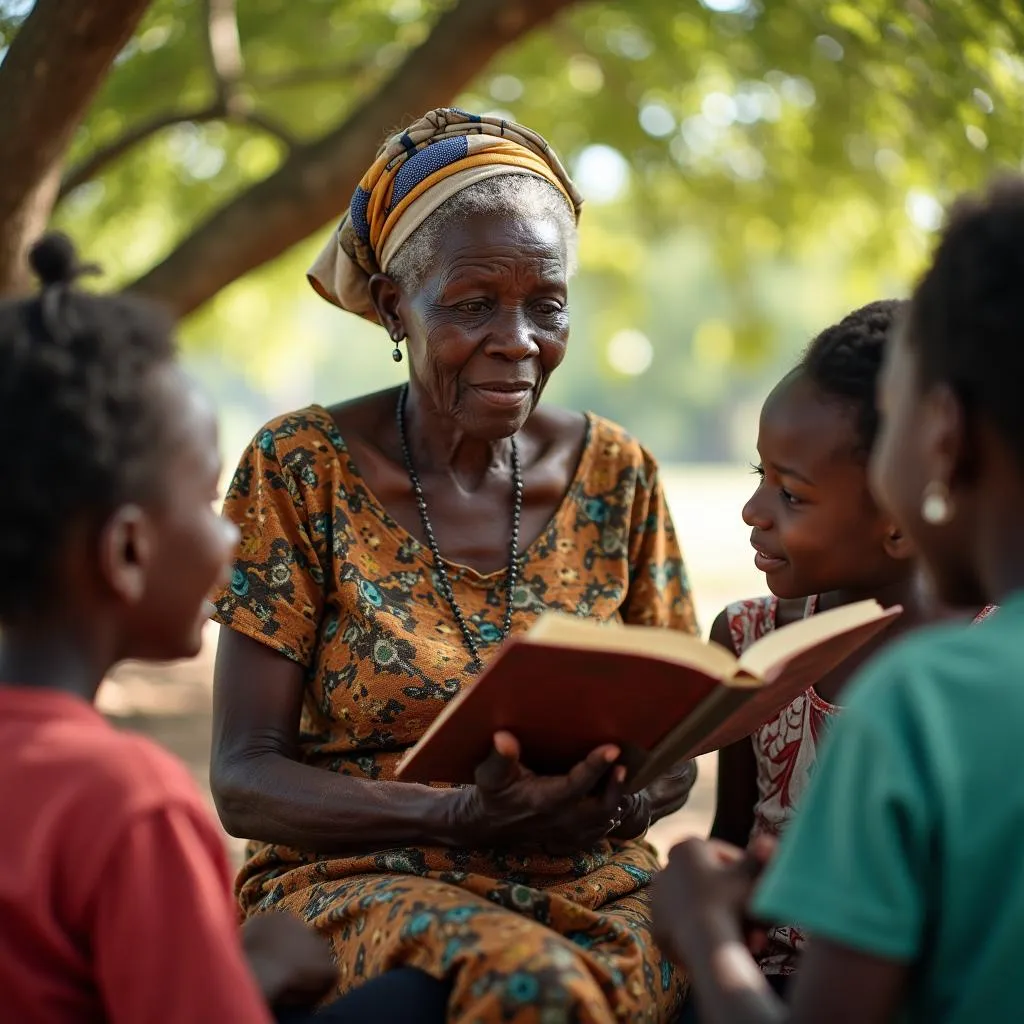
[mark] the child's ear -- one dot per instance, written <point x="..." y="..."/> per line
<point x="897" y="544"/>
<point x="125" y="553"/>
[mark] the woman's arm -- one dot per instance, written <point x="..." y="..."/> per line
<point x="272" y="608"/>
<point x="263" y="793"/>
<point x="736" y="794"/>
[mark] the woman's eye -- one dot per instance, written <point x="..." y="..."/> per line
<point x="548" y="308"/>
<point x="473" y="306"/>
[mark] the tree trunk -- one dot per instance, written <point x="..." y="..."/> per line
<point x="315" y="183"/>
<point x="57" y="62"/>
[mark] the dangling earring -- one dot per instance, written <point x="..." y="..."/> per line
<point x="936" y="504"/>
<point x="396" y="353"/>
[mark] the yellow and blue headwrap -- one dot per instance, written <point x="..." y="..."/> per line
<point x="414" y="172"/>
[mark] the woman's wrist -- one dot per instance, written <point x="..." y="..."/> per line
<point x="449" y="817"/>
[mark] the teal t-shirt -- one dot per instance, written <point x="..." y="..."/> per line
<point x="909" y="844"/>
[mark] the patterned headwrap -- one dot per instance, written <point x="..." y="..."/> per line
<point x="415" y="171"/>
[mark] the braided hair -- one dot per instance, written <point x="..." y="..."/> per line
<point x="77" y="410"/>
<point x="845" y="360"/>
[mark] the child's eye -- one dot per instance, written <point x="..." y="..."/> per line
<point x="789" y="498"/>
<point x="757" y="469"/>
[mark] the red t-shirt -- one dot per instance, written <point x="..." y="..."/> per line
<point x="115" y="897"/>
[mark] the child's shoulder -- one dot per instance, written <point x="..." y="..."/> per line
<point x="141" y="774"/>
<point x="741" y="623"/>
<point x="119" y="772"/>
<point x="947" y="672"/>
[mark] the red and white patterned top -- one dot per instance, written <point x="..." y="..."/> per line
<point x="785" y="748"/>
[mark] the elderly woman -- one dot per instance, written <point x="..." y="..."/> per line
<point x="389" y="546"/>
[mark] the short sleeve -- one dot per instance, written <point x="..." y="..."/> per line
<point x="659" y="590"/>
<point x="855" y="865"/>
<point x="277" y="498"/>
<point x="164" y="935"/>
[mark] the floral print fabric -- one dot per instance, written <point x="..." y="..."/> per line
<point x="328" y="579"/>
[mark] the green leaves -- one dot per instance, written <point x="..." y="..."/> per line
<point x="783" y="160"/>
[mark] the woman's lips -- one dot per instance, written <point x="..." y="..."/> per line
<point x="503" y="395"/>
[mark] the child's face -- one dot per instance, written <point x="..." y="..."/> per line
<point x="189" y="545"/>
<point x="814" y="525"/>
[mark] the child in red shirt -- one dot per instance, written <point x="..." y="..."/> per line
<point x="115" y="899"/>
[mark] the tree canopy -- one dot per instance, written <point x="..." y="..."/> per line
<point x="726" y="142"/>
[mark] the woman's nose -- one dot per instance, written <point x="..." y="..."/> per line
<point x="512" y="336"/>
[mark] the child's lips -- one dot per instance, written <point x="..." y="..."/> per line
<point x="765" y="562"/>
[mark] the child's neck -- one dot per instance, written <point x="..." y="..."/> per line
<point x="50" y="659"/>
<point x="907" y="592"/>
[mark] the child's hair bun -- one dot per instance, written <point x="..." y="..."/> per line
<point x="54" y="260"/>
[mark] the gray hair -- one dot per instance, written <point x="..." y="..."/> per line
<point x="520" y="196"/>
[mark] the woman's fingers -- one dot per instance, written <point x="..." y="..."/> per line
<point x="502" y="767"/>
<point x="584" y="777"/>
<point x="507" y="745"/>
<point x="615" y="790"/>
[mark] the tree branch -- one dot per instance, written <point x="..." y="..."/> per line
<point x="48" y="78"/>
<point x="307" y="76"/>
<point x="98" y="160"/>
<point x="315" y="183"/>
<point x="223" y="49"/>
<point x="270" y="126"/>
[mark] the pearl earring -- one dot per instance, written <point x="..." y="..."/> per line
<point x="396" y="353"/>
<point x="936" y="505"/>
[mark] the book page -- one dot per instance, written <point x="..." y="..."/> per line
<point x="766" y="657"/>
<point x="644" y="641"/>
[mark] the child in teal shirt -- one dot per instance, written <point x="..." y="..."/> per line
<point x="904" y="863"/>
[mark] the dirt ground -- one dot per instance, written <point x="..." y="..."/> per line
<point x="171" y="704"/>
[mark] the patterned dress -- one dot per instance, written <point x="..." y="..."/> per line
<point x="328" y="579"/>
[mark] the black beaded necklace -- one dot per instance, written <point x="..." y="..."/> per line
<point x="444" y="582"/>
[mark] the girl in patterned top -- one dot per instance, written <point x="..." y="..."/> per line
<point x="821" y="542"/>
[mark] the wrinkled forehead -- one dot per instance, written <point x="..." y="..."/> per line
<point x="528" y="236"/>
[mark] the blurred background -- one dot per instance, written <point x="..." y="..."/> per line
<point x="753" y="169"/>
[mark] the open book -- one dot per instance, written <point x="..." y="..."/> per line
<point x="570" y="685"/>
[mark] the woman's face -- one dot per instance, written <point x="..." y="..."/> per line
<point x="489" y="323"/>
<point x="921" y="442"/>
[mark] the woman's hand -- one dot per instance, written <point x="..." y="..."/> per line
<point x="701" y="898"/>
<point x="510" y="805"/>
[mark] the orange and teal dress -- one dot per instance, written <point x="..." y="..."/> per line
<point x="327" y="578"/>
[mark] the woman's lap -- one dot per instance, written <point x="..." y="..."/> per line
<point x="512" y="953"/>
